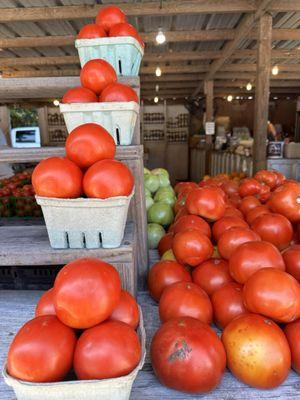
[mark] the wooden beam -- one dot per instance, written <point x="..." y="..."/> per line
<point x="284" y="6"/>
<point x="261" y="109"/>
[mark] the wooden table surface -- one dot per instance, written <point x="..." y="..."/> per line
<point x="17" y="307"/>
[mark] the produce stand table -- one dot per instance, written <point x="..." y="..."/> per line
<point x="146" y="386"/>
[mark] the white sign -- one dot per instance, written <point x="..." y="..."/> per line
<point x="209" y="128"/>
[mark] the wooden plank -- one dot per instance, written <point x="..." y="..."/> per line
<point x="261" y="109"/>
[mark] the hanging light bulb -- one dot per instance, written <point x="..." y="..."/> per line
<point x="155" y="99"/>
<point x="275" y="70"/>
<point x="56" y="102"/>
<point x="160" y="37"/>
<point x="156" y="88"/>
<point x="158" y="71"/>
<point x="249" y="86"/>
<point x="229" y="98"/>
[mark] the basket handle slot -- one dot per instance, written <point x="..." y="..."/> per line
<point x="100" y="238"/>
<point x="83" y="239"/>
<point x="118" y="135"/>
<point x="120" y="67"/>
<point x="67" y="239"/>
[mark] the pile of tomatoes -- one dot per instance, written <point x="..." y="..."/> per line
<point x="231" y="258"/>
<point x="85" y="323"/>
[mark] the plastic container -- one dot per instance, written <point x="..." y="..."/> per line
<point x="123" y="53"/>
<point x="291" y="150"/>
<point x="118" y="118"/>
<point x="106" y="389"/>
<point x="85" y="223"/>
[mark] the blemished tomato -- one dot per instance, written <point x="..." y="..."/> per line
<point x="165" y="273"/>
<point x="91" y="31"/>
<point x="233" y="212"/>
<point x="292" y="333"/>
<point x="228" y="303"/>
<point x="257" y="212"/>
<point x="265" y="193"/>
<point x="42" y="350"/>
<point x="57" y="177"/>
<point x="192" y="222"/>
<point x="45" y="305"/>
<point x="249" y="203"/>
<point x="89" y="143"/>
<point x="212" y="275"/>
<point x="126" y="311"/>
<point x="180" y="186"/>
<point x="125" y="29"/>
<point x="225" y="223"/>
<point x="231" y="239"/>
<point x="267" y="177"/>
<point x="86" y="291"/>
<point x="192" y="247"/>
<point x="257" y="351"/>
<point x="165" y="243"/>
<point x="108" y="350"/>
<point x="108" y="178"/>
<point x="187" y="355"/>
<point x="285" y="200"/>
<point x="207" y="202"/>
<point x="118" y="92"/>
<point x="97" y="74"/>
<point x="79" y="95"/>
<point x="273" y="293"/>
<point x="274" y="228"/>
<point x="280" y="178"/>
<point x="249" y="187"/>
<point x="185" y="299"/>
<point x="253" y="256"/>
<point x="109" y="16"/>
<point x="291" y="257"/>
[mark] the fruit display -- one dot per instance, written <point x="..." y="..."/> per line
<point x="231" y="258"/>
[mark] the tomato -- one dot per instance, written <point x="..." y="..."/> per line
<point x="230" y="187"/>
<point x="183" y="211"/>
<point x="109" y="16"/>
<point x="108" y="178"/>
<point x="89" y="143"/>
<point x="91" y="31"/>
<point x="97" y="74"/>
<point x="42" y="350"/>
<point x="233" y="212"/>
<point x="180" y="186"/>
<point x="125" y="29"/>
<point x="292" y="333"/>
<point x="79" y="95"/>
<point x="108" y="350"/>
<point x="266" y="177"/>
<point x="265" y="193"/>
<point x="118" y="92"/>
<point x="207" y="202"/>
<point x="187" y="355"/>
<point x="165" y="243"/>
<point x="257" y="212"/>
<point x="257" y="351"/>
<point x="86" y="291"/>
<point x="227" y="303"/>
<point x="225" y="223"/>
<point x="274" y="228"/>
<point x="126" y="311"/>
<point x="179" y="204"/>
<point x="45" y="305"/>
<point x="192" y="247"/>
<point x="235" y="200"/>
<point x="273" y="293"/>
<point x="233" y="238"/>
<point x="285" y="200"/>
<point x="249" y="187"/>
<point x="185" y="299"/>
<point x="251" y="257"/>
<point x="249" y="203"/>
<point x="280" y="178"/>
<point x="57" y="177"/>
<point x="163" y="274"/>
<point x="192" y="222"/>
<point x="291" y="257"/>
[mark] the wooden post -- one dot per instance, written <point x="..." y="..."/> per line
<point x="5" y="122"/>
<point x="261" y="109"/>
<point x="209" y="106"/>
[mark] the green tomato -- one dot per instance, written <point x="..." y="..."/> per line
<point x="164" y="181"/>
<point x="147" y="192"/>
<point x="167" y="189"/>
<point x="146" y="171"/>
<point x="165" y="197"/>
<point x="149" y="202"/>
<point x="160" y="171"/>
<point x="155" y="233"/>
<point x="151" y="182"/>
<point x="161" y="213"/>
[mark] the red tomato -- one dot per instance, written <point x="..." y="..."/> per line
<point x="187" y="355"/>
<point x="274" y="228"/>
<point x="86" y="291"/>
<point x="125" y="29"/>
<point x="212" y="275"/>
<point x="207" y="202"/>
<point x="109" y="16"/>
<point x="180" y="203"/>
<point x="42" y="350"/>
<point x="108" y="350"/>
<point x="126" y="311"/>
<point x="118" y="92"/>
<point x="291" y="257"/>
<point x="91" y="31"/>
<point x="292" y="333"/>
<point x="280" y="178"/>
<point x="257" y="351"/>
<point x="192" y="247"/>
<point x="108" y="178"/>
<point x="265" y="193"/>
<point x="97" y="74"/>
<point x="233" y="238"/>
<point x="227" y="303"/>
<point x="273" y="293"/>
<point x="233" y="212"/>
<point x="266" y="177"/>
<point x="185" y="299"/>
<point x="79" y="95"/>
<point x="57" y="177"/>
<point x="230" y="188"/>
<point x="89" y="143"/>
<point x="163" y="274"/>
<point x="165" y="244"/>
<point x="285" y="200"/>
<point x="192" y="222"/>
<point x="249" y="187"/>
<point x="249" y="203"/>
<point x="225" y="223"/>
<point x="180" y="186"/>
<point x="45" y="305"/>
<point x="257" y="212"/>
<point x="235" y="200"/>
<point x="253" y="256"/>
<point x="183" y="211"/>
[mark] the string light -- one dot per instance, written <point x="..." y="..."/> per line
<point x="275" y="70"/>
<point x="229" y="98"/>
<point x="56" y="102"/>
<point x="249" y="86"/>
<point x="160" y="37"/>
<point x="156" y="88"/>
<point x="158" y="71"/>
<point x="156" y="99"/>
